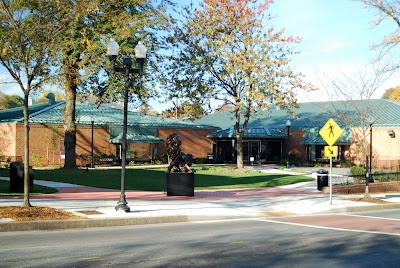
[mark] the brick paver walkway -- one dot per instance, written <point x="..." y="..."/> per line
<point x="91" y="193"/>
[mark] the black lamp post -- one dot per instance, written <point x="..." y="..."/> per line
<point x="288" y="124"/>
<point x="369" y="169"/>
<point x="140" y="54"/>
<point x="371" y="122"/>
<point x="92" y="120"/>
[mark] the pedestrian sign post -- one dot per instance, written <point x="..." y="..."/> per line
<point x="330" y="132"/>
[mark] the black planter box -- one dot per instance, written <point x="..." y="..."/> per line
<point x="180" y="183"/>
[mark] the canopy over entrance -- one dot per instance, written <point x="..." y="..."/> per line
<point x="139" y="138"/>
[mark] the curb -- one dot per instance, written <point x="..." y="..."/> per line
<point x="86" y="223"/>
<point x="371" y="208"/>
<point x="15" y="226"/>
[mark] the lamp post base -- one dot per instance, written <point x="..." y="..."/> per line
<point x="122" y="205"/>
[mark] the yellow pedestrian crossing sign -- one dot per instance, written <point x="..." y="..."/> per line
<point x="330" y="132"/>
<point x="330" y="151"/>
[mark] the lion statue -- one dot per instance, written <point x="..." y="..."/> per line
<point x="177" y="161"/>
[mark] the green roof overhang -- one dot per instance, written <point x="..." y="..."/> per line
<point x="320" y="141"/>
<point x="255" y="132"/>
<point x="138" y="138"/>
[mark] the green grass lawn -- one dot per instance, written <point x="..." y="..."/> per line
<point x="37" y="189"/>
<point x="149" y="179"/>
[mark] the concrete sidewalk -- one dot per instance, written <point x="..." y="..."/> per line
<point x="98" y="205"/>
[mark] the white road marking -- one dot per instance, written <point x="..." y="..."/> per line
<point x="326" y="228"/>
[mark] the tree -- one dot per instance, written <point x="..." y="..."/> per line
<point x="230" y="51"/>
<point x="42" y="98"/>
<point x="185" y="110"/>
<point x="355" y="108"/>
<point x="27" y="30"/>
<point x="81" y="51"/>
<point x="10" y="101"/>
<point x="387" y="9"/>
<point x="392" y="94"/>
<point x="147" y="110"/>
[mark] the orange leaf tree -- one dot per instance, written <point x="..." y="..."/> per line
<point x="229" y="50"/>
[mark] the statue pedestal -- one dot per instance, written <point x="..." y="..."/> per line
<point x="180" y="183"/>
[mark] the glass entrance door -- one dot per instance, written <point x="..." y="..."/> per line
<point x="251" y="149"/>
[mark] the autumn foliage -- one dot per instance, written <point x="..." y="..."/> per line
<point x="230" y="51"/>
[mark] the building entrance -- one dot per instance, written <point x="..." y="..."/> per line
<point x="251" y="149"/>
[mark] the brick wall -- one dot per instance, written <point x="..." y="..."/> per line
<point x="374" y="187"/>
<point x="7" y="141"/>
<point x="385" y="150"/>
<point x="299" y="150"/>
<point x="194" y="141"/>
<point x="44" y="145"/>
<point x="101" y="142"/>
<point x="46" y="142"/>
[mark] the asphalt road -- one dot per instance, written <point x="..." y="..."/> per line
<point x="237" y="243"/>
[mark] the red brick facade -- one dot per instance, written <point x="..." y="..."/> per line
<point x="299" y="150"/>
<point x="47" y="143"/>
<point x="194" y="141"/>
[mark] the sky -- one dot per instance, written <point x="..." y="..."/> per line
<point x="336" y="34"/>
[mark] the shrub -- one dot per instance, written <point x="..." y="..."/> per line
<point x="84" y="156"/>
<point x="201" y="160"/>
<point x="37" y="159"/>
<point x="164" y="158"/>
<point x="356" y="170"/>
<point x="318" y="165"/>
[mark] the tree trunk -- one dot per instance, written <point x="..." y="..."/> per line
<point x="26" y="152"/>
<point x="69" y="120"/>
<point x="239" y="150"/>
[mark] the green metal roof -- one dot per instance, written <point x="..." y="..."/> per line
<point x="108" y="116"/>
<point x="311" y="136"/>
<point x="252" y="132"/>
<point x="16" y="115"/>
<point x="314" y="114"/>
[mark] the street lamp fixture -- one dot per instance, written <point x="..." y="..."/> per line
<point x="140" y="54"/>
<point x="92" y="118"/>
<point x="288" y="124"/>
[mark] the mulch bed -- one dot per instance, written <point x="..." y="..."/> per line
<point x="17" y="213"/>
<point x="370" y="200"/>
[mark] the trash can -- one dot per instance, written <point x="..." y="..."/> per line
<point x="322" y="179"/>
<point x="17" y="178"/>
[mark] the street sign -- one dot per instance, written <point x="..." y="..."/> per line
<point x="331" y="151"/>
<point x="330" y="132"/>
